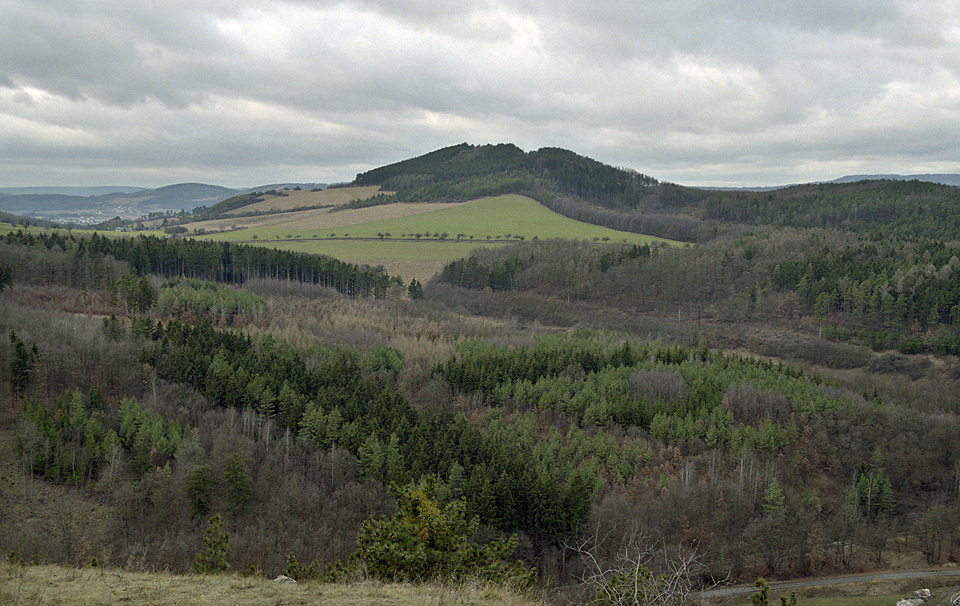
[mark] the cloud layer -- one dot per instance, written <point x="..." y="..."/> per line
<point x="244" y="93"/>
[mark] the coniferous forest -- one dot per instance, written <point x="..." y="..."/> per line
<point x="778" y="396"/>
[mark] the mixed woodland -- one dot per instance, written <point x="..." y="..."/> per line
<point x="779" y="396"/>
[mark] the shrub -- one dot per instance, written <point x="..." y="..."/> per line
<point x="301" y="572"/>
<point x="823" y="353"/>
<point x="944" y="342"/>
<point x="427" y="542"/>
<point x="897" y="364"/>
<point x="912" y="345"/>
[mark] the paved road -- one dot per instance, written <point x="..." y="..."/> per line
<point x="857" y="578"/>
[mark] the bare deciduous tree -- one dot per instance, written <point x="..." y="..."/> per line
<point x="638" y="573"/>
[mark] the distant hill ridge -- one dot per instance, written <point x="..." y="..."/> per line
<point x="182" y="196"/>
<point x="941" y="178"/>
<point x="62" y="202"/>
<point x="70" y="191"/>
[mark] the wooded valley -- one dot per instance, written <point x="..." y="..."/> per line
<point x="778" y="397"/>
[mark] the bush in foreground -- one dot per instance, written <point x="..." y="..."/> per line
<point x="425" y="541"/>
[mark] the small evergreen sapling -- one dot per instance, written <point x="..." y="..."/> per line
<point x="216" y="543"/>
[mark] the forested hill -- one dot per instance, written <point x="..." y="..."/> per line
<point x="464" y="171"/>
<point x="909" y="209"/>
<point x="587" y="190"/>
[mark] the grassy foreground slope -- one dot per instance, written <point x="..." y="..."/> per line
<point x="51" y="584"/>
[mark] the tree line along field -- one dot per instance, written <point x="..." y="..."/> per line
<point x="425" y="233"/>
<point x="6" y="228"/>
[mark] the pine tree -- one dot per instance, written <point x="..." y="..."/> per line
<point x="771" y="534"/>
<point x="200" y="484"/>
<point x="23" y="365"/>
<point x="872" y="492"/>
<point x="773" y="501"/>
<point x="415" y="290"/>
<point x="6" y="276"/>
<point x="426" y="540"/>
<point x="372" y="456"/>
<point x="216" y="543"/>
<point x="239" y="485"/>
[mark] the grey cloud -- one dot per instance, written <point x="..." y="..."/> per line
<point x="120" y="54"/>
<point x="756" y="90"/>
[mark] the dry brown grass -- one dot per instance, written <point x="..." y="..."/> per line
<point x="21" y="584"/>
<point x="422" y="270"/>
<point x="299" y="199"/>
<point x="318" y="218"/>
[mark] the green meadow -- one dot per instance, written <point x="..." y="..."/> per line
<point x="486" y="221"/>
<point x="501" y="217"/>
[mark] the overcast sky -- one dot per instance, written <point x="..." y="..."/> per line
<point x="244" y="93"/>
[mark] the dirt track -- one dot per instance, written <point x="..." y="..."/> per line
<point x="821" y="582"/>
